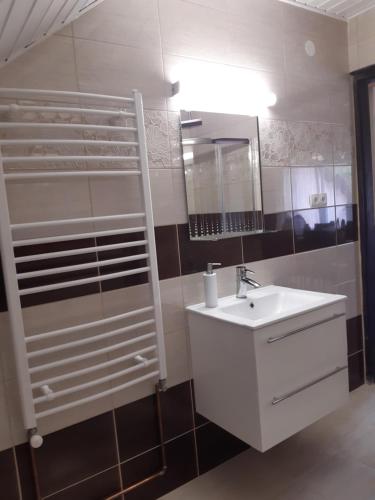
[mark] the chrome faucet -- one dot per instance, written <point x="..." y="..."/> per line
<point x="243" y="281"/>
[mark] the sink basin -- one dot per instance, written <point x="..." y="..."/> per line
<point x="266" y="305"/>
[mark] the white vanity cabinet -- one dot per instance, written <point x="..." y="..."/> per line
<point x="266" y="383"/>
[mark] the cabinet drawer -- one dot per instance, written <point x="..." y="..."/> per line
<point x="285" y="414"/>
<point x="296" y="357"/>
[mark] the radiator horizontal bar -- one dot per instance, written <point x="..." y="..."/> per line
<point x="94" y="383"/>
<point x="79" y="236"/>
<point x="91" y="354"/>
<point x="78" y="267"/>
<point x="87" y="326"/>
<point x="96" y="396"/>
<point x="61" y="109"/>
<point x="79" y="251"/>
<point x="9" y="92"/>
<point x="83" y="281"/>
<point x="72" y="126"/>
<point x="71" y="142"/>
<point x="71" y="173"/>
<point x="89" y="340"/>
<point x="90" y="369"/>
<point x="80" y="220"/>
<point x="60" y="159"/>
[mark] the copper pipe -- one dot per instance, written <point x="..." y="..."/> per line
<point x="164" y="467"/>
<point x="161" y="472"/>
<point x="35" y="474"/>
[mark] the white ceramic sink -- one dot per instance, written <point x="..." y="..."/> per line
<point x="266" y="305"/>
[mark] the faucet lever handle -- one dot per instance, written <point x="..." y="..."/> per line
<point x="249" y="271"/>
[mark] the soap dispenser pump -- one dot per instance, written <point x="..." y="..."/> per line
<point x="210" y="285"/>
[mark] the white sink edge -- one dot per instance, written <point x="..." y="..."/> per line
<point x="326" y="299"/>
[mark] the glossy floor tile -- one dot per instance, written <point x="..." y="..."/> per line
<point x="330" y="460"/>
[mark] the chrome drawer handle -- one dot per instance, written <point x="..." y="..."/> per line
<point x="277" y="400"/>
<point x="299" y="330"/>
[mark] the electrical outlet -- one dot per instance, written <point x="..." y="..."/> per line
<point x="318" y="200"/>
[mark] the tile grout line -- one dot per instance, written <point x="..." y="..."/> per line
<point x="79" y="482"/>
<point x="19" y="486"/>
<point x="117" y="449"/>
<point x="194" y="428"/>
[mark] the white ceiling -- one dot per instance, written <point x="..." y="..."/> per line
<point x="23" y="23"/>
<point x="341" y="9"/>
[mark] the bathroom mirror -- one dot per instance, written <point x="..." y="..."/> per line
<point x="222" y="174"/>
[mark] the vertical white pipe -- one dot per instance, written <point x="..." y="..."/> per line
<point x="153" y="274"/>
<point x="14" y="308"/>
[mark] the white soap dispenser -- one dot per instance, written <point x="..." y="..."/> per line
<point x="210" y="285"/>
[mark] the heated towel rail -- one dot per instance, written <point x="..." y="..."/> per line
<point x="56" y="367"/>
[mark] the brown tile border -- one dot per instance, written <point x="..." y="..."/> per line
<point x="178" y="255"/>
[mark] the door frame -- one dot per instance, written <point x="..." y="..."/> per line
<point x="361" y="80"/>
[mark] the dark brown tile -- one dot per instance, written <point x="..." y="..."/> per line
<point x="167" y="251"/>
<point x="181" y="468"/>
<point x="125" y="281"/>
<point x="198" y="418"/>
<point x="347" y="223"/>
<point x="215" y="446"/>
<point x="177" y="410"/>
<point x="354" y="334"/>
<point x="314" y="229"/>
<point x="64" y="293"/>
<point x="96" y="488"/>
<point x="277" y="240"/>
<point x="137" y="427"/>
<point x="8" y="476"/>
<point x="25" y="472"/>
<point x="73" y="454"/>
<point x="356" y="371"/>
<point x="194" y="255"/>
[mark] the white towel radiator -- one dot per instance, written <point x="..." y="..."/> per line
<point x="37" y="380"/>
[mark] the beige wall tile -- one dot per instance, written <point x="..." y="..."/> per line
<point x="178" y="357"/>
<point x="191" y="30"/>
<point x="6" y="349"/>
<point x="49" y="65"/>
<point x="276" y="186"/>
<point x="255" y="44"/>
<point x="168" y="198"/>
<point x="354" y="303"/>
<point x="5" y="433"/>
<point x="172" y="305"/>
<point x="134" y="23"/>
<point x="116" y="69"/>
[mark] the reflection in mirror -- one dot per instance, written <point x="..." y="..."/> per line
<point x="222" y="174"/>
